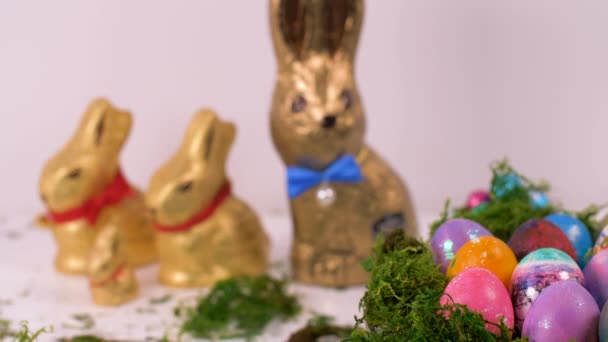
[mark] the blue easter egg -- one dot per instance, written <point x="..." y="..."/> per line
<point x="576" y="231"/>
<point x="504" y="184"/>
<point x="538" y="199"/>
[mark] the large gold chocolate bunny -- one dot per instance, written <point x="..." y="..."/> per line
<point x="342" y="193"/>
<point x="204" y="232"/>
<point x="84" y="191"/>
<point x="111" y="278"/>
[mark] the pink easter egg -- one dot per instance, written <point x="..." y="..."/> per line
<point x="477" y="198"/>
<point x="482" y="292"/>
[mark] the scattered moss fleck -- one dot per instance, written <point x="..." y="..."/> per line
<point x="161" y="300"/>
<point x="317" y="327"/>
<point x="86" y="322"/>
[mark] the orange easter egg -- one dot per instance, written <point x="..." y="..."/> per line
<point x="488" y="252"/>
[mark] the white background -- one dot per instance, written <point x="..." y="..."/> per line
<point x="448" y="87"/>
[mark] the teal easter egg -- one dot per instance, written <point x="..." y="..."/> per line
<point x="505" y="184"/>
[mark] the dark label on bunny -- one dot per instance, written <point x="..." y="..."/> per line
<point x="389" y="223"/>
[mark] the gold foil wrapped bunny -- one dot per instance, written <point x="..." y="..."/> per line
<point x="342" y="193"/>
<point x="84" y="191"/>
<point x="111" y="278"/>
<point x="204" y="232"/>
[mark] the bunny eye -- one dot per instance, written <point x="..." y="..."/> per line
<point x="298" y="104"/>
<point x="347" y="99"/>
<point x="75" y="173"/>
<point x="185" y="186"/>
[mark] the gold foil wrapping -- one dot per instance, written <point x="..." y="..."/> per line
<point x="317" y="117"/>
<point x="228" y="238"/>
<point x="111" y="278"/>
<point x="72" y="181"/>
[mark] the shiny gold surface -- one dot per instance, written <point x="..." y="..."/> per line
<point x="112" y="281"/>
<point x="316" y="117"/>
<point x="80" y="170"/>
<point x="231" y="241"/>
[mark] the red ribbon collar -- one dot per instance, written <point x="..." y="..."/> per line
<point x="115" y="192"/>
<point x="201" y="216"/>
<point x="118" y="272"/>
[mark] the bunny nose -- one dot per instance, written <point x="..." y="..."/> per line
<point x="43" y="198"/>
<point x="329" y="121"/>
<point x="152" y="211"/>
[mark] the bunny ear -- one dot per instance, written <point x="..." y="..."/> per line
<point x="287" y="21"/>
<point x="103" y="127"/>
<point x="303" y="27"/>
<point x="342" y="25"/>
<point x="208" y="139"/>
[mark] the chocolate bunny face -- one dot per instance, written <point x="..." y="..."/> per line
<point x="192" y="177"/>
<point x="316" y="113"/>
<point x="88" y="161"/>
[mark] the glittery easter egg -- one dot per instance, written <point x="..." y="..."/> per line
<point x="537" y="271"/>
<point x="503" y="185"/>
<point x="538" y="199"/>
<point x="576" y="231"/>
<point x="601" y="242"/>
<point x="481" y="291"/>
<point x="596" y="277"/>
<point x="476" y="198"/>
<point x="538" y="233"/>
<point x="603" y="331"/>
<point x="450" y="236"/>
<point x="487" y="252"/>
<point x="564" y="311"/>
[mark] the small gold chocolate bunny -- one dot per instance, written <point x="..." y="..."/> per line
<point x="204" y="233"/>
<point x="111" y="278"/>
<point x="342" y="193"/>
<point x="84" y="191"/>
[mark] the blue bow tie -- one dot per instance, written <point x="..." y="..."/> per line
<point x="300" y="179"/>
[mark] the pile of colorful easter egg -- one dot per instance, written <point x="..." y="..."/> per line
<point x="547" y="281"/>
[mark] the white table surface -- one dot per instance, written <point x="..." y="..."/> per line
<point x="31" y="290"/>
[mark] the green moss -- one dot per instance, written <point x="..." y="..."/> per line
<point x="240" y="307"/>
<point x="402" y="299"/>
<point x="502" y="216"/>
<point x="401" y="268"/>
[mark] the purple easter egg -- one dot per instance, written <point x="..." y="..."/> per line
<point x="604" y="324"/>
<point x="450" y="236"/>
<point x="596" y="277"/>
<point x="564" y="311"/>
<point x="477" y="198"/>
